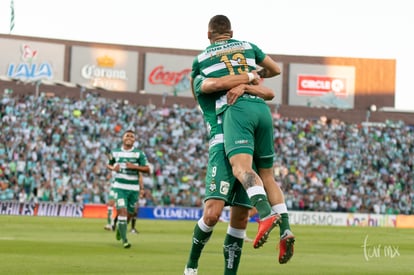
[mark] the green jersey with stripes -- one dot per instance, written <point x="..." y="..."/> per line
<point x="127" y="179"/>
<point x="220" y="182"/>
<point x="207" y="104"/>
<point x="227" y="57"/>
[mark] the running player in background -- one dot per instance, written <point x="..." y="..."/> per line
<point x="111" y="220"/>
<point x="128" y="162"/>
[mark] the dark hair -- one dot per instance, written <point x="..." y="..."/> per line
<point x="219" y="24"/>
<point x="129" y="131"/>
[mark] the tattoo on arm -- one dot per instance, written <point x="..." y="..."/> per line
<point x="262" y="73"/>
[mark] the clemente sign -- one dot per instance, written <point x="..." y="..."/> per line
<point x="315" y="85"/>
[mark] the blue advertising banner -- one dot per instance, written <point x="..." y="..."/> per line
<point x="170" y="213"/>
<point x="179" y="213"/>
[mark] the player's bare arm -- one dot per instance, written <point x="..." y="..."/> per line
<point x="192" y="88"/>
<point x="142" y="169"/>
<point x="261" y="91"/>
<point x="269" y="68"/>
<point x="256" y="90"/>
<point x="113" y="167"/>
<point x="212" y="85"/>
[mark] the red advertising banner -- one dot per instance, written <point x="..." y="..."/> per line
<point x="405" y="221"/>
<point x="320" y="85"/>
<point x="95" y="211"/>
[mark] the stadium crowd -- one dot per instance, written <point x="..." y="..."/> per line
<point x="53" y="149"/>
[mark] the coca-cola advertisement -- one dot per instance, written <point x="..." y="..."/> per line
<point x="168" y="74"/>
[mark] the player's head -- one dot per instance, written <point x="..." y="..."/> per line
<point x="219" y="27"/>
<point x="128" y="139"/>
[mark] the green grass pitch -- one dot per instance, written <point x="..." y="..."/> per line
<point x="49" y="245"/>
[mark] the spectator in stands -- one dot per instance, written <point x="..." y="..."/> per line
<point x="325" y="165"/>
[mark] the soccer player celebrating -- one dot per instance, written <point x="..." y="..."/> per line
<point x="248" y="114"/>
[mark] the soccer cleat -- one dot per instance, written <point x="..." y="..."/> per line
<point x="118" y="235"/>
<point x="108" y="227"/>
<point x="190" y="271"/>
<point x="127" y="244"/>
<point x="265" y="227"/>
<point x="134" y="231"/>
<point x="286" y="246"/>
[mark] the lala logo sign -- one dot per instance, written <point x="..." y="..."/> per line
<point x="316" y="85"/>
<point x="28" y="54"/>
<point x="28" y="69"/>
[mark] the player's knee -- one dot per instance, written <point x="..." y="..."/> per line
<point x="238" y="170"/>
<point x="211" y="218"/>
<point x="239" y="222"/>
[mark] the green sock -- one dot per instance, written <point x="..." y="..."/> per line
<point x="109" y="215"/>
<point x="200" y="238"/>
<point x="133" y="222"/>
<point x="115" y="221"/>
<point x="285" y="223"/>
<point x="232" y="250"/>
<point x="122" y="227"/>
<point x="262" y="205"/>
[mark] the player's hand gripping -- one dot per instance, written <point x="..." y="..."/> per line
<point x="234" y="93"/>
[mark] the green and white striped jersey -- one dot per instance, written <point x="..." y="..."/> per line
<point x="226" y="57"/>
<point x="127" y="179"/>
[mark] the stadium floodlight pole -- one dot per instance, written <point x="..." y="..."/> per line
<point x="371" y="109"/>
<point x="37" y="83"/>
<point x="82" y="91"/>
<point x="368" y="114"/>
<point x="277" y="107"/>
<point x="83" y="88"/>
